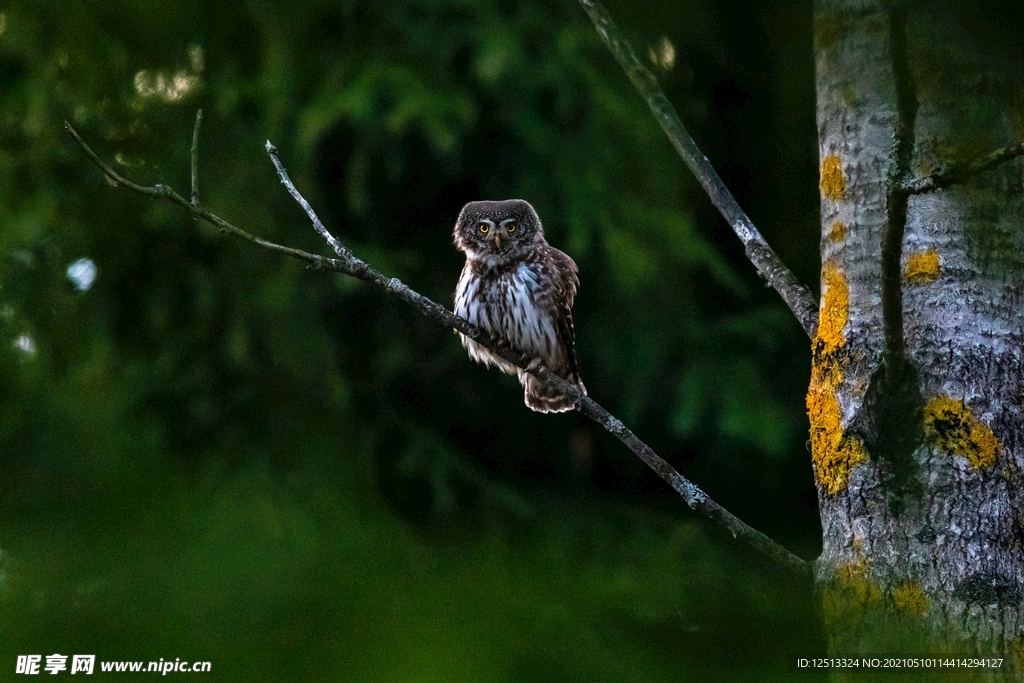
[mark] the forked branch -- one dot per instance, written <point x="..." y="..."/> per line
<point x="347" y="263"/>
<point x="767" y="262"/>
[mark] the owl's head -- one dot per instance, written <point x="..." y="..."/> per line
<point x="497" y="232"/>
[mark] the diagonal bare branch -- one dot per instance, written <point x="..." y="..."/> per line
<point x="349" y="264"/>
<point x="767" y="262"/>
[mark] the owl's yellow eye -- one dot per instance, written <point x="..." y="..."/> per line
<point x="511" y="227"/>
<point x="483" y="228"/>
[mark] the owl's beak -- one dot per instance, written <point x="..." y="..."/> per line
<point x="497" y="240"/>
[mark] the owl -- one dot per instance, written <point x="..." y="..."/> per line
<point x="519" y="289"/>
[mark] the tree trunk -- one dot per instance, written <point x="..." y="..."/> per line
<point x="916" y="391"/>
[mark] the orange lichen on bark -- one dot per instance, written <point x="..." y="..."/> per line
<point x="837" y="233"/>
<point x="853" y="574"/>
<point x="951" y="426"/>
<point x="852" y="589"/>
<point x="835" y="308"/>
<point x="833" y="183"/>
<point x="910" y="599"/>
<point x="922" y="267"/>
<point x="833" y="453"/>
<point x="1017" y="651"/>
<point x="829" y="28"/>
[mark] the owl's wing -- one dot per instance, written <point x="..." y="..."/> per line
<point x="568" y="335"/>
<point x="564" y="274"/>
<point x="566" y="281"/>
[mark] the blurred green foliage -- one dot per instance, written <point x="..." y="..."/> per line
<point x="214" y="453"/>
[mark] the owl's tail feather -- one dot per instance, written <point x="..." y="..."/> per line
<point x="543" y="397"/>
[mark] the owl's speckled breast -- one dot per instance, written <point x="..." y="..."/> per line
<point x="506" y="303"/>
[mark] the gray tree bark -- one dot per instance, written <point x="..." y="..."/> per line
<point x="917" y="387"/>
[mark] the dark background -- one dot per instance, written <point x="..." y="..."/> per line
<point x="213" y="453"/>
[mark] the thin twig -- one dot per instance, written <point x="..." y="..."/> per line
<point x="767" y="262"/>
<point x="195" y="158"/>
<point x="164" y="192"/>
<point x="958" y="173"/>
<point x="349" y="264"/>
<point x="337" y="246"/>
